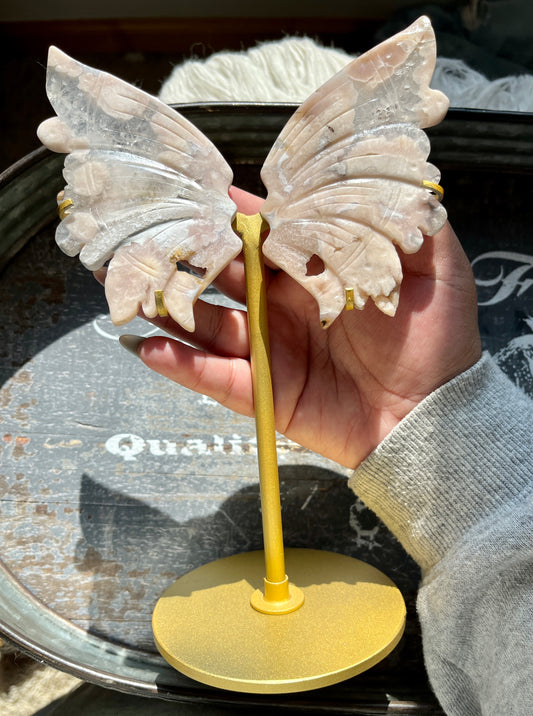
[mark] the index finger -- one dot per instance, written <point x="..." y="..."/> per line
<point x="247" y="203"/>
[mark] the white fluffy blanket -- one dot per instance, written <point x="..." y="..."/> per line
<point x="290" y="69"/>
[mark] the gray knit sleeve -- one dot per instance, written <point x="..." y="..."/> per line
<point x="454" y="482"/>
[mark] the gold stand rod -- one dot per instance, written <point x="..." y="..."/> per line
<point x="279" y="597"/>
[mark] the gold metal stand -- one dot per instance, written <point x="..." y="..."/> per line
<point x="228" y="625"/>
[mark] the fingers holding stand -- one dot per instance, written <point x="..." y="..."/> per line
<point x="226" y="380"/>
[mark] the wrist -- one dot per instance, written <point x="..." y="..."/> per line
<point x="457" y="457"/>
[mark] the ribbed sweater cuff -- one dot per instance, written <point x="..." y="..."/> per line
<point x="459" y="456"/>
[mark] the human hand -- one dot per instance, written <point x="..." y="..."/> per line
<point x="338" y="391"/>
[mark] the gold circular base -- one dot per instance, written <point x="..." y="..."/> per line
<point x="351" y="618"/>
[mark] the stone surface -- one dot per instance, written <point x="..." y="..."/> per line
<point x="148" y="190"/>
<point x="344" y="178"/>
<point x="345" y="184"/>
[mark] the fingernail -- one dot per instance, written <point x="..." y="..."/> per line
<point x="131" y="343"/>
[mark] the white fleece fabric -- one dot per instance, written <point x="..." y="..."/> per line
<point x="454" y="483"/>
<point x="290" y="70"/>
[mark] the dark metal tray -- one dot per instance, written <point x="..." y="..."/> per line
<point x="113" y="481"/>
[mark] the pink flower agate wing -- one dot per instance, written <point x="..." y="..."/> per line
<point x="344" y="178"/>
<point x="148" y="190"/>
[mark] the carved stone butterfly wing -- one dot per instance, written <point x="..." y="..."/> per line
<point x="145" y="189"/>
<point x="345" y="177"/>
<point x="345" y="183"/>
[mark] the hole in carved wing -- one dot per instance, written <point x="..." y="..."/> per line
<point x="315" y="266"/>
<point x="197" y="271"/>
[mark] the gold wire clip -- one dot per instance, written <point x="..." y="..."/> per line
<point x="435" y="189"/>
<point x="160" y="304"/>
<point x="62" y="208"/>
<point x="349" y="305"/>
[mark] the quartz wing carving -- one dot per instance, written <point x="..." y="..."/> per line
<point x="145" y="191"/>
<point x="148" y="192"/>
<point x="345" y="177"/>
